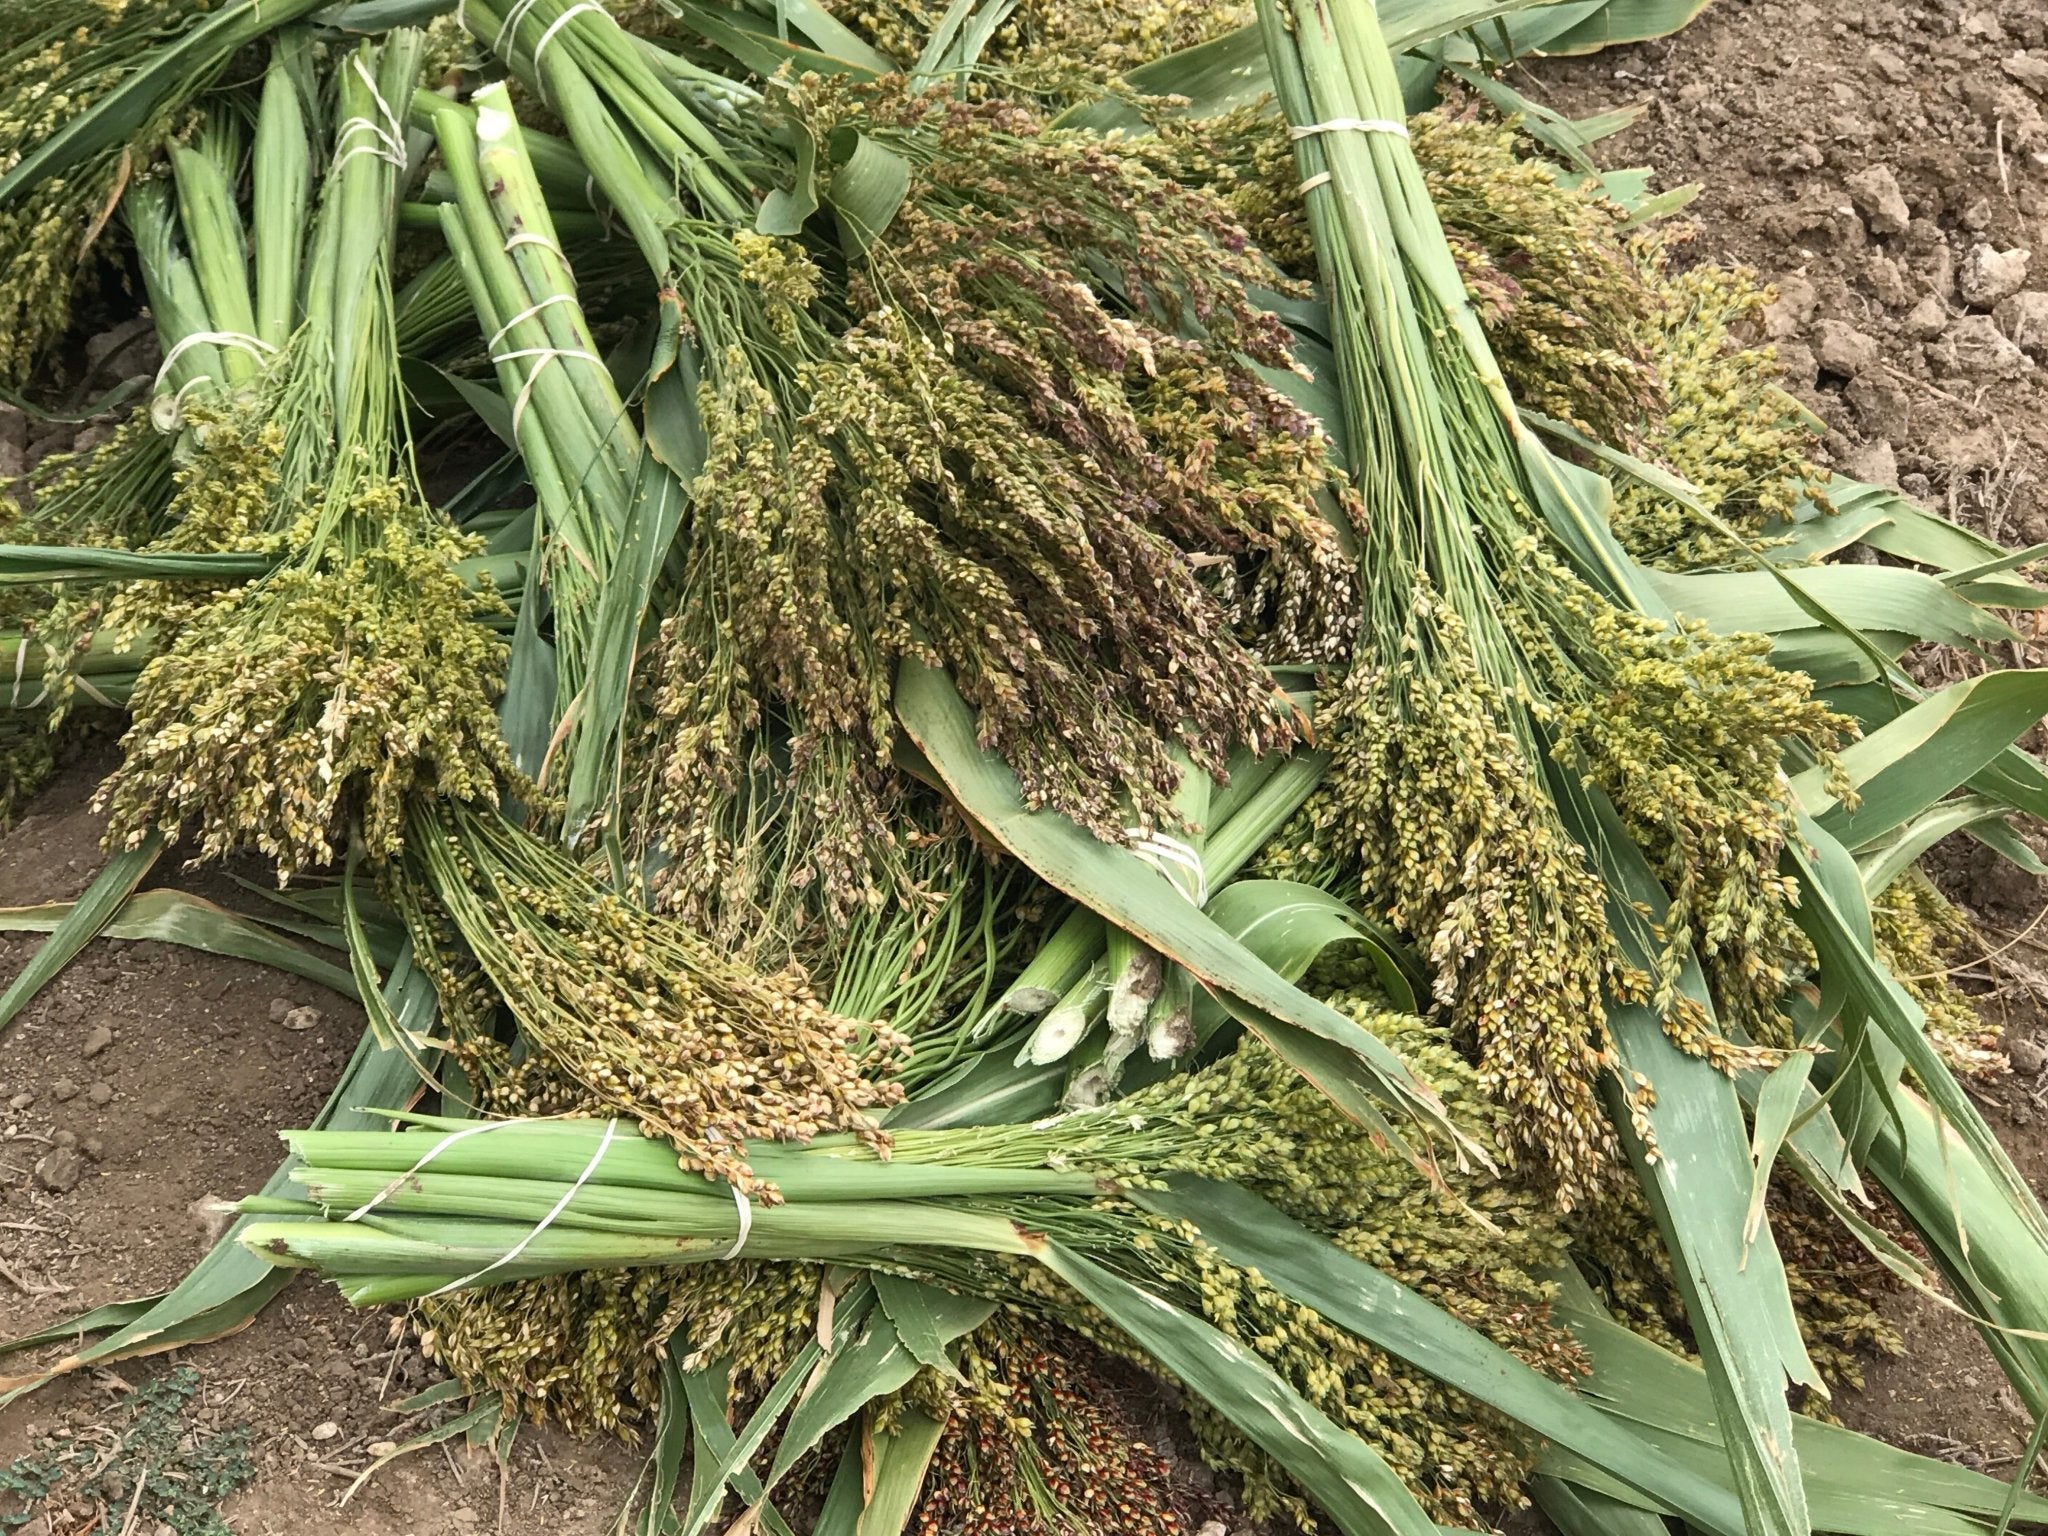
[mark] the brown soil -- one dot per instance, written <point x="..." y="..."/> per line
<point x="1783" y="114"/>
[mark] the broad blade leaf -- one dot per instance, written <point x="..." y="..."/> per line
<point x="1696" y="1180"/>
<point x="85" y="920"/>
<point x="1352" y="1294"/>
<point x="177" y="917"/>
<point x="1941" y="743"/>
<point x="1343" y="1474"/>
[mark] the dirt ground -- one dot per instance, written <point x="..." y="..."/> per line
<point x="1882" y="170"/>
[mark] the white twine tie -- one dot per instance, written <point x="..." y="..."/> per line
<point x="1176" y="860"/>
<point x="185" y="344"/>
<point x="1351" y="125"/>
<point x="746" y="1208"/>
<point x="546" y="355"/>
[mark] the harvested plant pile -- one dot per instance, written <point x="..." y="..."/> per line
<point x="1116" y="690"/>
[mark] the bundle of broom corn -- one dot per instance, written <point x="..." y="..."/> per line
<point x="991" y="697"/>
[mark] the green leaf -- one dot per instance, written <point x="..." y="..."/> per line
<point x="176" y="917"/>
<point x="83" y="922"/>
<point x="763" y="50"/>
<point x="1941" y="743"/>
<point x="873" y="1364"/>
<point x="36" y="564"/>
<point x="1288" y="924"/>
<point x="1579" y="1511"/>
<point x="1888" y="858"/>
<point x="1346" y="1061"/>
<point x="1869" y="597"/>
<point x="784" y="211"/>
<point x="1979" y="1234"/>
<point x="1843" y="947"/>
<point x="176" y="66"/>
<point x="712" y="1439"/>
<point x="928" y="1318"/>
<point x="1343" y="1475"/>
<point x="115" y="1314"/>
<point x="957" y="40"/>
<point x="986" y="1089"/>
<point x="866" y="190"/>
<point x="901" y="1456"/>
<point x="1908" y="531"/>
<point x="596" y="756"/>
<point x="1232" y="71"/>
<point x="1776" y="1105"/>
<point x="1697" y="1187"/>
<point x="710" y="1479"/>
<point x="1854" y="1484"/>
<point x="1588" y="26"/>
<point x="1352" y="1294"/>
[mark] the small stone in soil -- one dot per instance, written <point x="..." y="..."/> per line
<point x="2029" y="70"/>
<point x="100" y="1094"/>
<point x="21" y="1101"/>
<point x="381" y="1447"/>
<point x="279" y="1007"/>
<point x="65" y="1139"/>
<point x="1798" y="364"/>
<point x="2024" y="317"/>
<point x="1990" y="275"/>
<point x="1889" y="64"/>
<point x="94" y="1148"/>
<point x="1875" y="193"/>
<point x="1843" y="350"/>
<point x="2028" y="1055"/>
<point x="1927" y="319"/>
<point x="327" y="1429"/>
<point x="97" y="1040"/>
<point x="1789" y="313"/>
<point x="1975" y="348"/>
<point x="63" y="1090"/>
<point x="302" y="1018"/>
<point x="59" y="1170"/>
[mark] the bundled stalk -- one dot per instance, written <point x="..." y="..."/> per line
<point x="314" y="703"/>
<point x="634" y="1013"/>
<point x="573" y="430"/>
<point x="498" y="1204"/>
<point x="92" y="90"/>
<point x="1070" y="983"/>
<point x="1494" y="647"/>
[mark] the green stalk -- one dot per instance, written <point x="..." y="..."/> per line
<point x="216" y="243"/>
<point x="175" y="298"/>
<point x="1068" y="1022"/>
<point x="522" y="216"/>
<point x="553" y="410"/>
<point x="631" y="1212"/>
<point x="282" y="176"/>
<point x="454" y="1247"/>
<point x="563" y="179"/>
<point x="594" y="74"/>
<point x="1072" y="967"/>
